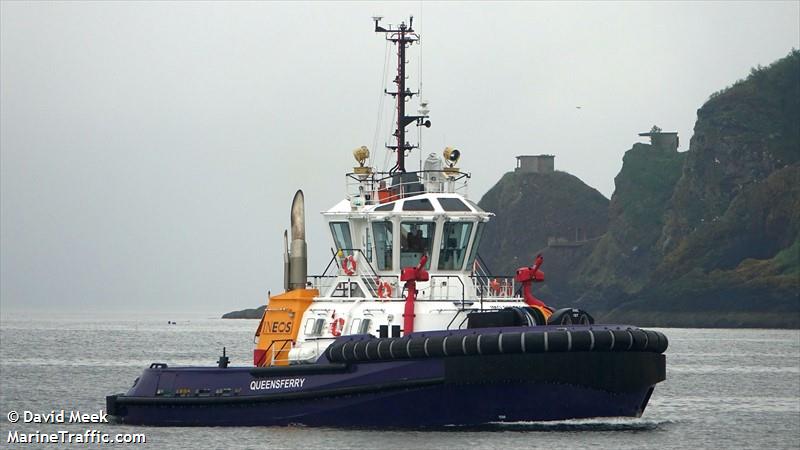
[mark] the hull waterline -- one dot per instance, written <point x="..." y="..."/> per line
<point x="463" y="390"/>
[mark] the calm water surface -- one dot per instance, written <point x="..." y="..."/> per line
<point x="724" y="389"/>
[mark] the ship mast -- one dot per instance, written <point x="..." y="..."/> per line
<point x="402" y="36"/>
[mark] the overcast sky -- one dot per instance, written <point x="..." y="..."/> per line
<point x="150" y="151"/>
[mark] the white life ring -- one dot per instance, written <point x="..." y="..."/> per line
<point x="349" y="265"/>
<point x="337" y="325"/>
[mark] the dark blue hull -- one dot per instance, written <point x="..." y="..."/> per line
<point x="495" y="382"/>
<point x="431" y="406"/>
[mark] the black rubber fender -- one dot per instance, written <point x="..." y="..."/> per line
<point x="488" y="344"/>
<point x="656" y="342"/>
<point x="536" y="315"/>
<point x="398" y="348"/>
<point x="371" y="350"/>
<point x="383" y="349"/>
<point x="603" y="340"/>
<point x="639" y="340"/>
<point x="623" y="341"/>
<point x="581" y="341"/>
<point x="453" y="345"/>
<point x="349" y="351"/>
<point x="356" y="354"/>
<point x="435" y="347"/>
<point x="469" y="344"/>
<point x="533" y="342"/>
<point x="510" y="342"/>
<point x="416" y="347"/>
<point x="570" y="316"/>
<point x="557" y="341"/>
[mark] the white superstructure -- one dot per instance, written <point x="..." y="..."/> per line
<point x="388" y="226"/>
<point x="382" y="238"/>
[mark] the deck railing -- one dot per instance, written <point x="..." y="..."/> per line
<point x="383" y="187"/>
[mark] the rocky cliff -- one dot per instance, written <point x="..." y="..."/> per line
<point x="530" y="208"/>
<point x="730" y="238"/>
<point x="708" y="237"/>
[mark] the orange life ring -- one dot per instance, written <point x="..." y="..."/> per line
<point x="337" y="325"/>
<point x="494" y="285"/>
<point x="384" y="289"/>
<point x="349" y="265"/>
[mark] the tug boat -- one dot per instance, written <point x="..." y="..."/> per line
<point x="406" y="327"/>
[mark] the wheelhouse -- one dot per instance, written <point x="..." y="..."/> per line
<point x="392" y="235"/>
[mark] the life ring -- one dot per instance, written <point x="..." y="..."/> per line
<point x="494" y="285"/>
<point x="337" y="325"/>
<point x="384" y="289"/>
<point x="349" y="265"/>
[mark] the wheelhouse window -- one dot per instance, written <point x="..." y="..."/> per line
<point x="453" y="204"/>
<point x="422" y="204"/>
<point x="383" y="244"/>
<point x="416" y="239"/>
<point x="455" y="239"/>
<point x="341" y="236"/>
<point x="368" y="244"/>
<point x="473" y="253"/>
<point x="386" y="207"/>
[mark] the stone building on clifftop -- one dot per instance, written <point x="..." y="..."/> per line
<point x="663" y="140"/>
<point x="535" y="163"/>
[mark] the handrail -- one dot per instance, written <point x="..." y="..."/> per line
<point x="372" y="275"/>
<point x="482" y="282"/>
<point x="335" y="256"/>
<point x="269" y="347"/>
<point x="332" y="261"/>
<point x="483" y="264"/>
<point x="374" y="189"/>
<point x="454" y="318"/>
<point x="463" y="287"/>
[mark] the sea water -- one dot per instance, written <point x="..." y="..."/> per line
<point x="725" y="389"/>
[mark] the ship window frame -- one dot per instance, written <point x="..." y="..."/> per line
<point x="365" y="326"/>
<point x="452" y="204"/>
<point x="368" y="244"/>
<point x="427" y="247"/>
<point x="476" y="242"/>
<point x="388" y="244"/>
<point x="355" y="325"/>
<point x="319" y="326"/>
<point x="308" y="328"/>
<point x="425" y="204"/>
<point x="466" y="232"/>
<point x="345" y="233"/>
